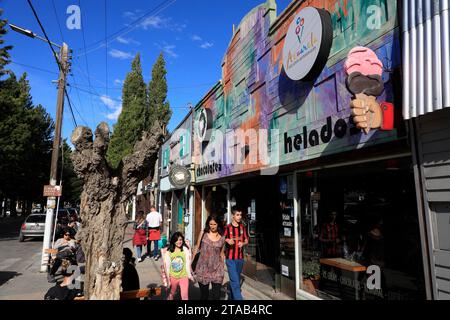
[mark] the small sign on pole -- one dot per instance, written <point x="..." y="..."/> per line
<point x="52" y="191"/>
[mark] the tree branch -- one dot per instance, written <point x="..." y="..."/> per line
<point x="137" y="166"/>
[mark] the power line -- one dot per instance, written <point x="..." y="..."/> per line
<point x="87" y="67"/>
<point x="99" y="44"/>
<point x="74" y="106"/>
<point x="70" y="107"/>
<point x="57" y="20"/>
<point x="90" y="88"/>
<point x="54" y="53"/>
<point x="45" y="34"/>
<point x="106" y="47"/>
<point x="78" y="93"/>
<point x="32" y="67"/>
<point x="169" y="88"/>
<point x="96" y="94"/>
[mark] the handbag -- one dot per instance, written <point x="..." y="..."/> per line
<point x="197" y="256"/>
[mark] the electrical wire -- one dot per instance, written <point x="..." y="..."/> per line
<point x="32" y="67"/>
<point x="54" y="53"/>
<point x="70" y="107"/>
<point x="99" y="44"/>
<point x="87" y="67"/>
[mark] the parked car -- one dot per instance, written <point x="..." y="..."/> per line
<point x="34" y="226"/>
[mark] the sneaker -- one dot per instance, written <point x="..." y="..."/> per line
<point x="139" y="260"/>
<point x="156" y="258"/>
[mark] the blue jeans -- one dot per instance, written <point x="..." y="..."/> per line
<point x="155" y="248"/>
<point x="234" y="273"/>
<point x="139" y="251"/>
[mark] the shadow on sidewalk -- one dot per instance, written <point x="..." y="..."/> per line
<point x="5" y="276"/>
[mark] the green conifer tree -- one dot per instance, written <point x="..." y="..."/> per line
<point x="130" y="125"/>
<point x="159" y="107"/>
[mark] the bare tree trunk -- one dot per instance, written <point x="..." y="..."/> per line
<point x="103" y="203"/>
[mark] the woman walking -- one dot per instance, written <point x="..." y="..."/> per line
<point x="210" y="265"/>
<point x="140" y="234"/>
<point x="177" y="265"/>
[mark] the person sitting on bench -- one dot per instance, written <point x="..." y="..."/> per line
<point x="64" y="289"/>
<point x="66" y="247"/>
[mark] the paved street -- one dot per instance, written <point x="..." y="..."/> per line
<point x="20" y="278"/>
<point x="19" y="263"/>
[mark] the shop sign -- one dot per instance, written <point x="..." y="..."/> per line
<point x="315" y="196"/>
<point x="308" y="43"/>
<point x="307" y="138"/>
<point x="179" y="177"/>
<point x="52" y="191"/>
<point x="285" y="270"/>
<point x="208" y="169"/>
<point x="204" y="125"/>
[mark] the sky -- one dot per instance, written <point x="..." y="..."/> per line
<point x="192" y="34"/>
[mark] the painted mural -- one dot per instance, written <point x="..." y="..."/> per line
<point x="177" y="150"/>
<point x="313" y="118"/>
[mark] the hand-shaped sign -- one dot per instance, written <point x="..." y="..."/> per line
<point x="364" y="71"/>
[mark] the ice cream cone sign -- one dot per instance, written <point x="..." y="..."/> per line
<point x="364" y="80"/>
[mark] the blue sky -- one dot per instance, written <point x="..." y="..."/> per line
<point x="193" y="34"/>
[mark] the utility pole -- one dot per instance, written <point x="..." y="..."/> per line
<point x="51" y="201"/>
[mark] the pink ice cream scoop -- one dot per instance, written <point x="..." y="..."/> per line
<point x="364" y="61"/>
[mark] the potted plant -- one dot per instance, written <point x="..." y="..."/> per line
<point x="311" y="276"/>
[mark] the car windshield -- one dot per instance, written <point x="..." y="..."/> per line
<point x="36" y="219"/>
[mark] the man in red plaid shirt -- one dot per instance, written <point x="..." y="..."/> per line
<point x="236" y="237"/>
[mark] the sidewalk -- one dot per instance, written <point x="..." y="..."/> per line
<point x="30" y="284"/>
<point x="150" y="276"/>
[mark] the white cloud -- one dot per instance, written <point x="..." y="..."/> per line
<point x="108" y="101"/>
<point x="155" y="22"/>
<point x="120" y="54"/>
<point x="196" y="38"/>
<point x="118" y="82"/>
<point x="132" y="15"/>
<point x="159" y="22"/>
<point x="207" y="45"/>
<point x="113" y="105"/>
<point x="168" y="49"/>
<point x="127" y="40"/>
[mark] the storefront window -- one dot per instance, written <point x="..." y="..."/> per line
<point x="360" y="234"/>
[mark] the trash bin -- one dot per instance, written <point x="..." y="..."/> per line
<point x="163" y="241"/>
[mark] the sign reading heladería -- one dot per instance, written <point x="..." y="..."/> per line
<point x="307" y="44"/>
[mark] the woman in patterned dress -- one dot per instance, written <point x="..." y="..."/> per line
<point x="210" y="265"/>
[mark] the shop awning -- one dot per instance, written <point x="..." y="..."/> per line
<point x="426" y="56"/>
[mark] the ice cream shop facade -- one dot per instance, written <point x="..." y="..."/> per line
<point x="305" y="133"/>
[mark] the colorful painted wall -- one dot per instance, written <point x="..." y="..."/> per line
<point x="255" y="92"/>
<point x="178" y="148"/>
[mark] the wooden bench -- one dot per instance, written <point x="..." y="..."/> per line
<point x="136" y="294"/>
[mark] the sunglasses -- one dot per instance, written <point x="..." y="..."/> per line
<point x="67" y="234"/>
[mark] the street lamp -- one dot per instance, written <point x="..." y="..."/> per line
<point x="31" y="34"/>
<point x="64" y="66"/>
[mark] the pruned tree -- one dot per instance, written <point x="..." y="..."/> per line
<point x="103" y="202"/>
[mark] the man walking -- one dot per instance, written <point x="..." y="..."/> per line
<point x="154" y="220"/>
<point x="236" y="237"/>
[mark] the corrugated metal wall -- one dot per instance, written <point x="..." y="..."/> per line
<point x="426" y="56"/>
<point x="433" y="133"/>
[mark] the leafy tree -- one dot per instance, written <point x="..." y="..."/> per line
<point x="130" y="125"/>
<point x="4" y="55"/>
<point x="72" y="185"/>
<point x="25" y="142"/>
<point x="159" y="107"/>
